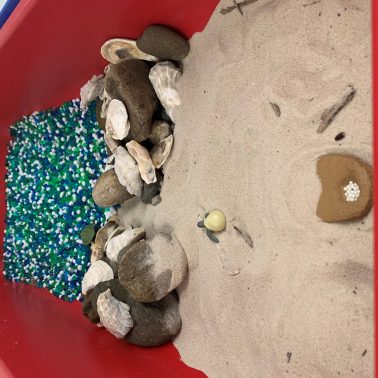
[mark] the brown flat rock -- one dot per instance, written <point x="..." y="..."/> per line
<point x="335" y="172"/>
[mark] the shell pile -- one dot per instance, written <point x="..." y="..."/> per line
<point x="139" y="167"/>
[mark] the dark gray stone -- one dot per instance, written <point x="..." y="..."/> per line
<point x="163" y="43"/>
<point x="128" y="82"/>
<point x="150" y="191"/>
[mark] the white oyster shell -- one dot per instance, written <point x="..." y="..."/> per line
<point x="160" y="130"/>
<point x="119" y="49"/>
<point x="99" y="271"/>
<point x="91" y="90"/>
<point x="118" y="243"/>
<point x="127" y="171"/>
<point x="145" y="165"/>
<point x="114" y="315"/>
<point x="116" y="232"/>
<point x="160" y="152"/>
<point x="102" y="236"/>
<point x="111" y="143"/>
<point x="106" y="99"/>
<point x="163" y="77"/>
<point x="117" y="121"/>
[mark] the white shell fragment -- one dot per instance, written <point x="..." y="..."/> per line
<point x="114" y="315"/>
<point x="106" y="99"/>
<point x="160" y="130"/>
<point x="119" y="49"/>
<point x="118" y="243"/>
<point x="99" y="271"/>
<point x="163" y="77"/>
<point x="117" y="121"/>
<point x="91" y="90"/>
<point x="115" y="233"/>
<point x="127" y="171"/>
<point x="352" y="191"/>
<point x="160" y="152"/>
<point x="145" y="165"/>
<point x="102" y="236"/>
<point x="110" y="142"/>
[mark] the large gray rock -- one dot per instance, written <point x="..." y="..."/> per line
<point x="128" y="82"/>
<point x="154" y="323"/>
<point x="163" y="43"/>
<point x="149" y="270"/>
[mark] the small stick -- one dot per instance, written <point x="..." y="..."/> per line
<point x="237" y="6"/>
<point x="244" y="235"/>
<point x="276" y="109"/>
<point x="314" y="2"/>
<point x="329" y="114"/>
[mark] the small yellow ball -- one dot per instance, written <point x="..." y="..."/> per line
<point x="215" y="221"/>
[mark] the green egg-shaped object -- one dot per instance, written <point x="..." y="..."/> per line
<point x="215" y="221"/>
<point x="87" y="234"/>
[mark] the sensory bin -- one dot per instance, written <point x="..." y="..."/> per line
<point x="53" y="161"/>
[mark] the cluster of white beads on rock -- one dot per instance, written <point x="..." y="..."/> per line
<point x="352" y="191"/>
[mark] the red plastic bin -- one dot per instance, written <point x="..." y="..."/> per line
<point x="48" y="50"/>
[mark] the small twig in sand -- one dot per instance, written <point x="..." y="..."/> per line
<point x="235" y="273"/>
<point x="314" y="2"/>
<point x="237" y="6"/>
<point x="288" y="355"/>
<point x="244" y="235"/>
<point x="276" y="108"/>
<point x="329" y="114"/>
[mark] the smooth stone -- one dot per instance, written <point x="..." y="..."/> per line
<point x="108" y="191"/>
<point x="154" y="323"/>
<point x="101" y="121"/>
<point x="151" y="269"/>
<point x="128" y="82"/>
<point x="112" y="264"/>
<point x="163" y="42"/>
<point x="149" y="191"/>
<point x="335" y="171"/>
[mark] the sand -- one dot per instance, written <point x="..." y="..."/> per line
<point x="302" y="304"/>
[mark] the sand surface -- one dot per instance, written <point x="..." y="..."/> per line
<point x="304" y="289"/>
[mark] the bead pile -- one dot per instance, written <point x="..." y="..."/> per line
<point x="53" y="162"/>
<point x="351" y="191"/>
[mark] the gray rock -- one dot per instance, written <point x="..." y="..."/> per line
<point x="108" y="191"/>
<point x="154" y="323"/>
<point x="149" y="270"/>
<point x="149" y="191"/>
<point x="163" y="43"/>
<point x="128" y="82"/>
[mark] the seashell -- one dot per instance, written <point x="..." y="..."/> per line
<point x="160" y="130"/>
<point x="163" y="77"/>
<point x="119" y="49"/>
<point x="106" y="99"/>
<point x="160" y="152"/>
<point x="91" y="90"/>
<point x="117" y="124"/>
<point x="215" y="221"/>
<point x="114" y="315"/>
<point x="102" y="236"/>
<point x="99" y="271"/>
<point x="145" y="165"/>
<point x="111" y="143"/>
<point x="122" y="241"/>
<point x="115" y="233"/>
<point x="127" y="171"/>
